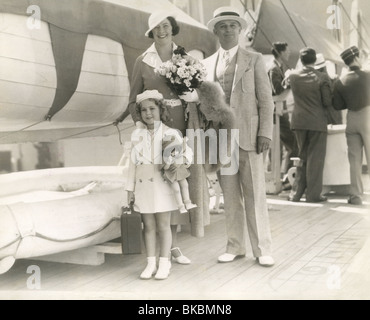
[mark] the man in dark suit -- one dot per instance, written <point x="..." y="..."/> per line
<point x="352" y="92"/>
<point x="312" y="94"/>
<point x="276" y="74"/>
<point x="244" y="81"/>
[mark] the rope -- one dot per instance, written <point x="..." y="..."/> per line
<point x="66" y="240"/>
<point x="101" y="127"/>
<point x="358" y="32"/>
<point x="365" y="28"/>
<point x="258" y="27"/>
<point x="287" y="12"/>
<point x="81" y="237"/>
<point x="119" y="136"/>
<point x="87" y="131"/>
<point x="11" y="243"/>
<point x="20" y="130"/>
<point x="266" y="37"/>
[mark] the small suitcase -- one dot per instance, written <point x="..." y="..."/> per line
<point x="131" y="231"/>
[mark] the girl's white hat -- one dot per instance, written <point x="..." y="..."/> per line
<point x="156" y="18"/>
<point x="149" y="94"/>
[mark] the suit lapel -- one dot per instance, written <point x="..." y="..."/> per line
<point x="242" y="65"/>
<point x="212" y="64"/>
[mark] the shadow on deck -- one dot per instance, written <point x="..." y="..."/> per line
<point x="322" y="251"/>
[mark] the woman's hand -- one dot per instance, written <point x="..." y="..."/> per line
<point x="190" y="96"/>
<point x="173" y="167"/>
<point x="130" y="197"/>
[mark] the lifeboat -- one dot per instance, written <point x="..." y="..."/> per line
<point x="50" y="211"/>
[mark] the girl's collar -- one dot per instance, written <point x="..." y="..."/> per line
<point x="151" y="56"/>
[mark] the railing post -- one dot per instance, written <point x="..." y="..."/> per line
<point x="273" y="178"/>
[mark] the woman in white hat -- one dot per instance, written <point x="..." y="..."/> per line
<point x="162" y="28"/>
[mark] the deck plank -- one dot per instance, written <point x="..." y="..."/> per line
<point x="310" y="244"/>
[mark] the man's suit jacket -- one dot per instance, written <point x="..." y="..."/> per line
<point x="251" y="97"/>
<point x="276" y="74"/>
<point x="312" y="95"/>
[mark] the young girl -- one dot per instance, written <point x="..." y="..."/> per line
<point x="151" y="193"/>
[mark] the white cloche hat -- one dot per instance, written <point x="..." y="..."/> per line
<point x="156" y="18"/>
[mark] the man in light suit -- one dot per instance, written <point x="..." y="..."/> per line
<point x="243" y="78"/>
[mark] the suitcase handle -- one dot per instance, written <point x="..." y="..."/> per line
<point x="129" y="209"/>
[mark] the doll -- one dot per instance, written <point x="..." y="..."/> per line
<point x="173" y="153"/>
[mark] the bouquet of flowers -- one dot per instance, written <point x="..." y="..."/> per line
<point x="183" y="73"/>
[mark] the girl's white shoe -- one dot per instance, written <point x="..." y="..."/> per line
<point x="150" y="270"/>
<point x="163" y="269"/>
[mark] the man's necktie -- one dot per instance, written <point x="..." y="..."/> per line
<point x="226" y="59"/>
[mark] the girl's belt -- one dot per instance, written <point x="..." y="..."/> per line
<point x="172" y="102"/>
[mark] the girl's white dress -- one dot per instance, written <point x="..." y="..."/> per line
<point x="153" y="194"/>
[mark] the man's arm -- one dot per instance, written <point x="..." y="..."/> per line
<point x="326" y="94"/>
<point x="338" y="101"/>
<point x="264" y="98"/>
<point x="276" y="81"/>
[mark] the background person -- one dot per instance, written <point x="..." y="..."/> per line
<point x="333" y="116"/>
<point x="276" y="74"/>
<point x="312" y="95"/>
<point x="352" y="92"/>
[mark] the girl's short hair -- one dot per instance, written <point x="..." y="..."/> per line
<point x="162" y="110"/>
<point x="174" y="25"/>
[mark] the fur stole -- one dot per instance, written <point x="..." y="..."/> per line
<point x="218" y="115"/>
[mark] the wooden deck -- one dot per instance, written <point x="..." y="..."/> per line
<point x="322" y="251"/>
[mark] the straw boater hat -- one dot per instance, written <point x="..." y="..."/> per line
<point x="148" y="94"/>
<point x="320" y="61"/>
<point x="350" y="52"/>
<point x="156" y="18"/>
<point x="226" y="13"/>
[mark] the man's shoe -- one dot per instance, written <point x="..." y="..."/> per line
<point x="266" y="261"/>
<point x="293" y="199"/>
<point x="227" y="257"/>
<point x="321" y="199"/>
<point x="355" y="200"/>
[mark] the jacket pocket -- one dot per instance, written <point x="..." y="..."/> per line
<point x="248" y="82"/>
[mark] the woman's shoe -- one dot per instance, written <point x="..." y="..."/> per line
<point x="163" y="269"/>
<point x="150" y="270"/>
<point x="179" y="257"/>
